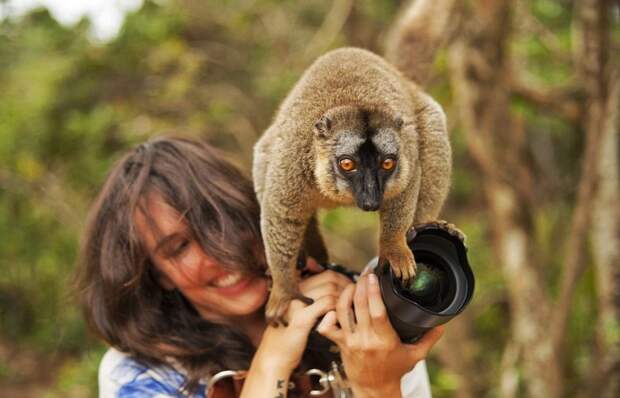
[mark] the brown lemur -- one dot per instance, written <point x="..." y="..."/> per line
<point x="353" y="130"/>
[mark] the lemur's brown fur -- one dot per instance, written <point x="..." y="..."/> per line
<point x="346" y="89"/>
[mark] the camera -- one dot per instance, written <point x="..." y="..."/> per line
<point x="442" y="288"/>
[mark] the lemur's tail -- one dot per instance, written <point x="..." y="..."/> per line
<point x="416" y="36"/>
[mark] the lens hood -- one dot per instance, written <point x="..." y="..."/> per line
<point x="443" y="252"/>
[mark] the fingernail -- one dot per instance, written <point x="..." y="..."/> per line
<point x="372" y="278"/>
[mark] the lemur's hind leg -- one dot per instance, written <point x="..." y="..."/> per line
<point x="313" y="242"/>
<point x="283" y="234"/>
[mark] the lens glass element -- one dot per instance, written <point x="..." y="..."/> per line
<point x="433" y="287"/>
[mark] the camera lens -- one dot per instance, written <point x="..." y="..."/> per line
<point x="434" y="286"/>
<point x="443" y="285"/>
<point x="425" y="287"/>
<point x="428" y="288"/>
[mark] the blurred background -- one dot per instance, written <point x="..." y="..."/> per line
<point x="531" y="92"/>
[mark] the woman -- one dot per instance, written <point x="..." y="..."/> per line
<point x="172" y="277"/>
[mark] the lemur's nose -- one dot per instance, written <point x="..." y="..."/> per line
<point x="368" y="205"/>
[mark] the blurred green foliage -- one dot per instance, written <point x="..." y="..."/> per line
<point x="69" y="107"/>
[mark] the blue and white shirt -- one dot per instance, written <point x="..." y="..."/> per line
<point x="121" y="376"/>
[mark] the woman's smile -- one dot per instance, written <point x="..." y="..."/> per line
<point x="231" y="284"/>
<point x="227" y="280"/>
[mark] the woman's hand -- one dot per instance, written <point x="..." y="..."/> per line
<point x="282" y="347"/>
<point x="373" y="356"/>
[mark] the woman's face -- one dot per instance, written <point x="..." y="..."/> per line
<point x="217" y="294"/>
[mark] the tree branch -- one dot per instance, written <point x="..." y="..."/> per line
<point x="564" y="102"/>
<point x="414" y="39"/>
<point x="332" y="24"/>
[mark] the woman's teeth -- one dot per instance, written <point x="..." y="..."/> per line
<point x="228" y="280"/>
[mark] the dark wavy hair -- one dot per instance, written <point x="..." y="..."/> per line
<point x="118" y="285"/>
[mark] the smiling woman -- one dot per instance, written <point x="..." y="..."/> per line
<point x="147" y="286"/>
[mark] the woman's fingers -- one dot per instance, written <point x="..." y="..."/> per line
<point x="360" y="301"/>
<point x="325" y="289"/>
<point x="376" y="309"/>
<point x="344" y="310"/>
<point x="327" y="278"/>
<point x="328" y="327"/>
<point x="310" y="314"/>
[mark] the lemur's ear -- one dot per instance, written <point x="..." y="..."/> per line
<point x="398" y="122"/>
<point x="323" y="126"/>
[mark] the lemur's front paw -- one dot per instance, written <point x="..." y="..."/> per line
<point x="277" y="306"/>
<point x="402" y="263"/>
<point x="446" y="226"/>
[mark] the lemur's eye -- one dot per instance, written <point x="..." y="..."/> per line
<point x="388" y="164"/>
<point x="346" y="164"/>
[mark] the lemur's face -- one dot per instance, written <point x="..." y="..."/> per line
<point x="358" y="159"/>
<point x="361" y="167"/>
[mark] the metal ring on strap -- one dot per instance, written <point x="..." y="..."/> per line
<point x="324" y="379"/>
<point x="235" y="374"/>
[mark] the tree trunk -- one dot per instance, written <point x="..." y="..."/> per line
<point x="605" y="377"/>
<point x="480" y="73"/>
